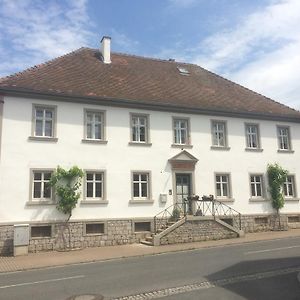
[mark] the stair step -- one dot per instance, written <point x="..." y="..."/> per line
<point x="144" y="242"/>
<point x="149" y="238"/>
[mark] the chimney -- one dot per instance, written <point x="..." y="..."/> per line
<point x="105" y="49"/>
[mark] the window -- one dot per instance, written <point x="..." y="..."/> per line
<point x="94" y="228"/>
<point x="219" y="134"/>
<point x="44" y="121"/>
<point x="41" y="231"/>
<point x="289" y="187"/>
<point x="94" y="185"/>
<point x="284" y="138"/>
<point x="252" y="136"/>
<point x="181" y="131"/>
<point x="94" y="125"/>
<point x="142" y="226"/>
<point x="140" y="185"/>
<point x="223" y="185"/>
<point x="256" y="182"/>
<point x="41" y="189"/>
<point x="139" y="129"/>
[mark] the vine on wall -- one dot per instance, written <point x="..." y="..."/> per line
<point x="66" y="184"/>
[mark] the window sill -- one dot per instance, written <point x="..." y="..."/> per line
<point x="258" y="199"/>
<point x="43" y="138"/>
<point x="93" y="202"/>
<point x="285" y="151"/>
<point x="225" y="148"/>
<point x="90" y="141"/>
<point x="141" y="201"/>
<point x="140" y="144"/>
<point x="94" y="234"/>
<point x="292" y="199"/>
<point x="254" y="149"/>
<point x="225" y="199"/>
<point x="181" y="146"/>
<point x="40" y="202"/>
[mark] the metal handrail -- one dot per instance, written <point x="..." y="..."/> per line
<point x="174" y="212"/>
<point x="197" y="207"/>
<point x="210" y="206"/>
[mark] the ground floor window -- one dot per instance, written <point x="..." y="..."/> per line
<point x="140" y="185"/>
<point x="41" y="190"/>
<point x="223" y="186"/>
<point x="94" y="183"/>
<point x="289" y="187"/>
<point x="256" y="182"/>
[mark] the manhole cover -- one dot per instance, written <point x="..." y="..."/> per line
<point x="86" y="297"/>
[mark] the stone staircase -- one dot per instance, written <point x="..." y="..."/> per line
<point x="149" y="240"/>
<point x="203" y="222"/>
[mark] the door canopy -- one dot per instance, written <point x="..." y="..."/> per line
<point x="183" y="161"/>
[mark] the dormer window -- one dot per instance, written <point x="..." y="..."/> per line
<point x="183" y="71"/>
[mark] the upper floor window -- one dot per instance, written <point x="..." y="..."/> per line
<point x="289" y="187"/>
<point x="141" y="188"/>
<point x="94" y="125"/>
<point x="181" y="131"/>
<point x="139" y="128"/>
<point x="284" y="140"/>
<point x="94" y="184"/>
<point x="44" y="121"/>
<point x="219" y="132"/>
<point x="256" y="182"/>
<point x="223" y="186"/>
<point x="252" y="136"/>
<point x="41" y="190"/>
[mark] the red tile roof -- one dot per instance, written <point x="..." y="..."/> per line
<point x="140" y="80"/>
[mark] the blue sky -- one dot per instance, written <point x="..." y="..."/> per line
<point x="253" y="42"/>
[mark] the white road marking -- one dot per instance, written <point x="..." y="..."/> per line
<point x="270" y="250"/>
<point x="41" y="281"/>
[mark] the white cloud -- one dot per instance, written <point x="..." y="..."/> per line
<point x="262" y="52"/>
<point x="36" y="30"/>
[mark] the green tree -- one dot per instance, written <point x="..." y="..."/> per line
<point x="66" y="185"/>
<point x="276" y="178"/>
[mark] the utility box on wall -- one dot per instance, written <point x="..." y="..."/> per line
<point x="21" y="239"/>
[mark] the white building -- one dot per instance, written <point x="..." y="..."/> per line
<point x="147" y="132"/>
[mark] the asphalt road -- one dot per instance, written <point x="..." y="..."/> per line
<point x="260" y="270"/>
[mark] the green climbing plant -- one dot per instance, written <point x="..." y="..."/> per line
<point x="276" y="178"/>
<point x="66" y="184"/>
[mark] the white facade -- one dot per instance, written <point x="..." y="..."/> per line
<point x="118" y="158"/>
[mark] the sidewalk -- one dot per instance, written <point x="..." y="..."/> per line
<point x="52" y="259"/>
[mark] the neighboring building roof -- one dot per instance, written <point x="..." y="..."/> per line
<point x="143" y="82"/>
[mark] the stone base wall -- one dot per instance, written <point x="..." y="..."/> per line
<point x="73" y="236"/>
<point x="6" y="240"/>
<point x="118" y="232"/>
<point x="259" y="223"/>
<point x="196" y="231"/>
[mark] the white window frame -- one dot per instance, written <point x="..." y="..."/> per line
<point x="252" y="136"/>
<point x="181" y="125"/>
<point x="44" y="118"/>
<point x="216" y="132"/>
<point x="93" y="123"/>
<point x="284" y="140"/>
<point x="221" y="182"/>
<point x="42" y="181"/>
<point x="286" y="185"/>
<point x="255" y="183"/>
<point x="140" y="182"/>
<point x="94" y="181"/>
<point x="136" y="127"/>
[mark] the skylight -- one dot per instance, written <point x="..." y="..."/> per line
<point x="183" y="71"/>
